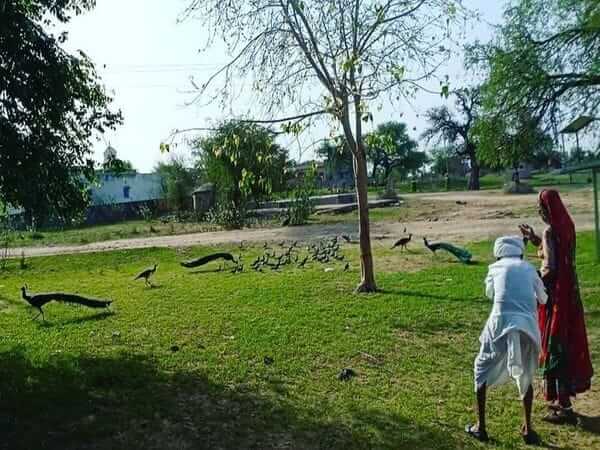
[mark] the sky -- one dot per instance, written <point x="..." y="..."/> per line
<point x="146" y="58"/>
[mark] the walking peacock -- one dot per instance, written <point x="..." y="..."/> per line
<point x="39" y="300"/>
<point x="461" y="254"/>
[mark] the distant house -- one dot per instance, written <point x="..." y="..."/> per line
<point x="128" y="187"/>
<point x="124" y="196"/>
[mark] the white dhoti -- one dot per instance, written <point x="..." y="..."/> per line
<point x="514" y="356"/>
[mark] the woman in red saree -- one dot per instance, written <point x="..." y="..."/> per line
<point x="565" y="359"/>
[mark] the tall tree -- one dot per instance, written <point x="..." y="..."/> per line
<point x="504" y="145"/>
<point x="355" y="51"/>
<point x="545" y="60"/>
<point x="390" y="147"/>
<point x="457" y="131"/>
<point x="51" y="106"/>
<point x="243" y="162"/>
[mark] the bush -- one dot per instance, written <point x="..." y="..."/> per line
<point x="227" y="216"/>
<point x="301" y="206"/>
<point x="300" y="209"/>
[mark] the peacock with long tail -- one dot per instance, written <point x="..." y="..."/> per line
<point x="207" y="259"/>
<point x="39" y="300"/>
<point x="461" y="254"/>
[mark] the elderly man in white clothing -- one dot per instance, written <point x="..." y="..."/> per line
<point x="510" y="340"/>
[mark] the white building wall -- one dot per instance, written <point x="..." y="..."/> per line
<point x="112" y="189"/>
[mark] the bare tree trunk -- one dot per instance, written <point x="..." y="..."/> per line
<point x="359" y="161"/>
<point x="475" y="169"/>
<point x="474" y="184"/>
<point x="367" y="280"/>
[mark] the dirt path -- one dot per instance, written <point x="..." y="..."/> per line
<point x="484" y="216"/>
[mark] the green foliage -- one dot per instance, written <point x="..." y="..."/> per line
<point x="301" y="206"/>
<point x="51" y="106"/>
<point x="118" y="166"/>
<point x="545" y="60"/>
<point x="456" y="131"/>
<point x="243" y="162"/>
<point x="502" y="145"/>
<point x="445" y="161"/>
<point x="389" y="148"/>
<point x="178" y="182"/>
<point x="227" y="215"/>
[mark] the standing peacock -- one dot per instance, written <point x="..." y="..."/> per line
<point x="461" y="254"/>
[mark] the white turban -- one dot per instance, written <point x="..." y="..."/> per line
<point x="508" y="246"/>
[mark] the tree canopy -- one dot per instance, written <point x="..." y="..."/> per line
<point x="243" y="162"/>
<point x="545" y="60"/>
<point x="456" y="132"/>
<point x="390" y="147"/>
<point x="51" y="106"/>
<point x="330" y="57"/>
<point x="178" y="181"/>
<point x="503" y="145"/>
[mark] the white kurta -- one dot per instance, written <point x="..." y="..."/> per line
<point x="510" y="340"/>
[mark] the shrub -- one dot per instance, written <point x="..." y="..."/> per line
<point x="301" y="206"/>
<point x="227" y="216"/>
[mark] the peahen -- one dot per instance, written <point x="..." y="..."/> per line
<point x="461" y="254"/>
<point x="402" y="243"/>
<point x="146" y="274"/>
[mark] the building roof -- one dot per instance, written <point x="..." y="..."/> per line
<point x="578" y="124"/>
<point x="204" y="188"/>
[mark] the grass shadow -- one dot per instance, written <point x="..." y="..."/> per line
<point x="589" y="424"/>
<point x="426" y="296"/>
<point x="204" y="271"/>
<point x="126" y="401"/>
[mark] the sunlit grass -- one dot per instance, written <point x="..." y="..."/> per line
<point x="182" y="365"/>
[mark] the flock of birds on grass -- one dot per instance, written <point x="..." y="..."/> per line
<point x="325" y="252"/>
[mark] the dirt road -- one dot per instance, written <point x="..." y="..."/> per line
<point x="480" y="215"/>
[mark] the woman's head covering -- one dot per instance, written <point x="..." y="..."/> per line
<point x="509" y="246"/>
<point x="563" y="228"/>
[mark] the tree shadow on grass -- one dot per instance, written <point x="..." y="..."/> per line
<point x="429" y="296"/>
<point x="119" y="402"/>
<point x="589" y="424"/>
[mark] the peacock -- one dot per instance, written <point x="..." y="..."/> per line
<point x="39" y="300"/>
<point x="461" y="254"/>
<point x="206" y="259"/>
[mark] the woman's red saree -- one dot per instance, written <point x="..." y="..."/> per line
<point x="565" y="359"/>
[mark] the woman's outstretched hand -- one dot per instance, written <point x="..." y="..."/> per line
<point x="527" y="231"/>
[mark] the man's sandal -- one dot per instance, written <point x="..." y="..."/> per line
<point x="472" y="431"/>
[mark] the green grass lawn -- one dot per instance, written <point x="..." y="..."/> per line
<point x="97" y="233"/>
<point x="182" y="365"/>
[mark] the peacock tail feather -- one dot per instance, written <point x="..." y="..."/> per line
<point x="461" y="254"/>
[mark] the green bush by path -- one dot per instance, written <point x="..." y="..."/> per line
<point x="182" y="365"/>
